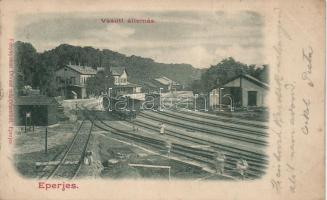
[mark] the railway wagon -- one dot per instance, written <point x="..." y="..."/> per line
<point x="122" y="107"/>
<point x="152" y="101"/>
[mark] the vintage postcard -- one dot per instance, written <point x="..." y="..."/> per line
<point x="162" y="100"/>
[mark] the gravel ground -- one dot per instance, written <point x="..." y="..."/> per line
<point x="29" y="146"/>
<point x="104" y="149"/>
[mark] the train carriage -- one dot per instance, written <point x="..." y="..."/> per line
<point x="123" y="107"/>
<point x="152" y="101"/>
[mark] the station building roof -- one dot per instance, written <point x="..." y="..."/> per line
<point x="117" y="71"/>
<point x="249" y="78"/>
<point x="128" y="85"/>
<point x="35" y="100"/>
<point x="82" y="69"/>
<point x="165" y="81"/>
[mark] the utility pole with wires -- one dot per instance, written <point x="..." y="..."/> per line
<point x="168" y="146"/>
<point x="65" y="80"/>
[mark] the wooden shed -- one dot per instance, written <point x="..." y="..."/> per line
<point x="36" y="110"/>
<point x="243" y="90"/>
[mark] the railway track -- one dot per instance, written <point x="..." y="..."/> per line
<point x="257" y="162"/>
<point x="200" y="155"/>
<point x="249" y="128"/>
<point x="228" y="119"/>
<point x="230" y="126"/>
<point x="239" y="135"/>
<point x="70" y="163"/>
<point x="181" y="131"/>
<point x="237" y="115"/>
<point x="201" y="141"/>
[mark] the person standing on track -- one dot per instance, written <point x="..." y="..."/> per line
<point x="220" y="159"/>
<point x="242" y="166"/>
<point x="162" y="129"/>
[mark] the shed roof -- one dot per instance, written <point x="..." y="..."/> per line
<point x="128" y="85"/>
<point x="164" y="80"/>
<point x="149" y="84"/>
<point x="249" y="78"/>
<point x="34" y="100"/>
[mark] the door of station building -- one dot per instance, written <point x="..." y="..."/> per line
<point x="252" y="98"/>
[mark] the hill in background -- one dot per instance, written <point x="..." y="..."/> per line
<point x="37" y="69"/>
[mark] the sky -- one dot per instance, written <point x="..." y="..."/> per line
<point x="197" y="38"/>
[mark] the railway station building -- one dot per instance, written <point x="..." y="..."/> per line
<point x="240" y="91"/>
<point x="71" y="80"/>
<point x="118" y="81"/>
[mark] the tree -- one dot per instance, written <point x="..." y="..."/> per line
<point x="25" y="60"/>
<point x="263" y="74"/>
<point x="220" y="73"/>
<point x="226" y="69"/>
<point x="197" y="87"/>
<point x="31" y="69"/>
<point x="97" y="84"/>
<point x="38" y="69"/>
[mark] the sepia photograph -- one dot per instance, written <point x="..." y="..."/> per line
<point x="162" y="100"/>
<point x="169" y="95"/>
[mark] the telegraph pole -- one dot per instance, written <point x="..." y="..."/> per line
<point x="46" y="137"/>
<point x="168" y="146"/>
<point x="65" y="93"/>
<point x="46" y="140"/>
<point x="25" y="121"/>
